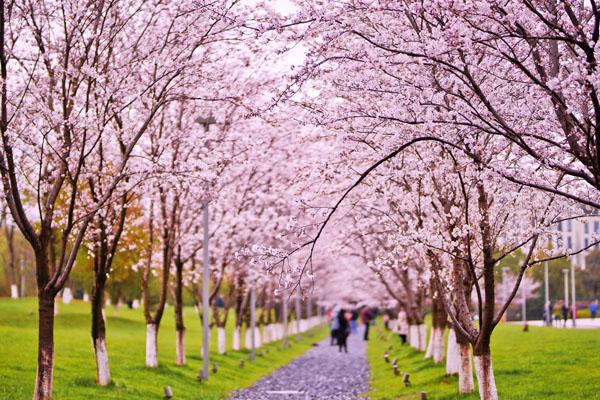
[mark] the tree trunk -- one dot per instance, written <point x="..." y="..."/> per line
<point x="99" y="331"/>
<point x="437" y="341"/>
<point x="485" y="377"/>
<point x="45" y="367"/>
<point x="439" y="318"/>
<point x="178" y="300"/>
<point x="67" y="295"/>
<point x="221" y="339"/>
<point x="236" y="338"/>
<point x="413" y="336"/>
<point x="180" y="347"/>
<point x="151" y="345"/>
<point x="422" y="344"/>
<point x="452" y="354"/>
<point x="465" y="369"/>
<point x="429" y="352"/>
<point x="11" y="267"/>
<point x="267" y="335"/>
<point x="102" y="368"/>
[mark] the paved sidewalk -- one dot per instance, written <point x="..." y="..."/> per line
<point x="582" y="323"/>
<point x="321" y="373"/>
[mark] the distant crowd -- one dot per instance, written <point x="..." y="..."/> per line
<point x="344" y="322"/>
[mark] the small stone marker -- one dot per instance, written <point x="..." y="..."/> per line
<point x="395" y="367"/>
<point x="423" y="396"/>
<point x="215" y="368"/>
<point x="168" y="392"/>
<point x="406" y="380"/>
<point x="242" y="363"/>
<point x="386" y="357"/>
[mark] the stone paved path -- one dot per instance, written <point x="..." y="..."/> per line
<point x="321" y="373"/>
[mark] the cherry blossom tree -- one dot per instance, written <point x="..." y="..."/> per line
<point x="73" y="76"/>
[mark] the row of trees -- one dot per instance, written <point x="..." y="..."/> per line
<point x="462" y="134"/>
<point x="120" y="123"/>
<point x="427" y="142"/>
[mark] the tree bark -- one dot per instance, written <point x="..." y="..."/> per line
<point x="236" y="338"/>
<point x="99" y="330"/>
<point x="221" y="339"/>
<point x="465" y="368"/>
<point x="45" y="368"/>
<point x="485" y="377"/>
<point x="438" y="327"/>
<point x="452" y="354"/>
<point x="179" y="325"/>
<point x="180" y="347"/>
<point x="151" y="345"/>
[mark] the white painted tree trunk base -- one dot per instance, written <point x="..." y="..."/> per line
<point x="257" y="337"/>
<point x="14" y="291"/>
<point x="413" y="336"/>
<point x="248" y="338"/>
<point x="67" y="296"/>
<point x="55" y="307"/>
<point x="236" y="338"/>
<point x="429" y="352"/>
<point x="86" y="297"/>
<point x="452" y="354"/>
<point x="437" y="347"/>
<point x="267" y="334"/>
<point x="180" y="347"/>
<point x="422" y="345"/>
<point x="221" y="340"/>
<point x="151" y="356"/>
<point x="465" y="369"/>
<point x="102" y="368"/>
<point x="485" y="377"/>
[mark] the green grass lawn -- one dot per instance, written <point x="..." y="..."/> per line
<point x="75" y="371"/>
<point x="544" y="363"/>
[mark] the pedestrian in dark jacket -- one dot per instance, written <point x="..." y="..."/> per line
<point x="565" y="313"/>
<point x="343" y="331"/>
<point x="366" y="316"/>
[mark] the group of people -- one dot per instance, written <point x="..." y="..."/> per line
<point x="344" y="322"/>
<point x="565" y="312"/>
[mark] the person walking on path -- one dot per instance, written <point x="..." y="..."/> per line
<point x="594" y="309"/>
<point x="366" y="317"/>
<point x="402" y="325"/>
<point x="386" y="321"/>
<point x="565" y="313"/>
<point x="343" y="331"/>
<point x="354" y="322"/>
<point x="334" y="326"/>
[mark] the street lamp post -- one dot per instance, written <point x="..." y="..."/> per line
<point x="252" y="321"/>
<point x="546" y="294"/>
<point x="206" y="123"/>
<point x="205" y="299"/>
<point x="566" y="274"/>
<point x="505" y="290"/>
<point x="573" y="300"/>
<point x="524" y="299"/>
<point x="298" y="312"/>
<point x="285" y="318"/>
<point x="308" y="310"/>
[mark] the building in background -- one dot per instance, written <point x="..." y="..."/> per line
<point x="578" y="234"/>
